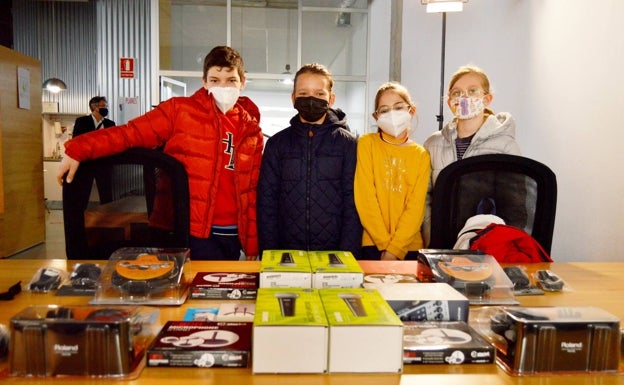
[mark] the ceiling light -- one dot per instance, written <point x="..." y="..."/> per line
<point x="54" y="85"/>
<point x="437" y="6"/>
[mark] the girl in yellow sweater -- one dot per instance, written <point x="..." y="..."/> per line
<point x="391" y="179"/>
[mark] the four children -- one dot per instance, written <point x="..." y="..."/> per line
<point x="315" y="187"/>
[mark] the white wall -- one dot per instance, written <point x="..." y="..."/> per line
<point x="556" y="65"/>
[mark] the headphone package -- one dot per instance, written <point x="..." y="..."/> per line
<point x="144" y="275"/>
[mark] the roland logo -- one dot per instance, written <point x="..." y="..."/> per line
<point x="65" y="348"/>
<point x="571" y="345"/>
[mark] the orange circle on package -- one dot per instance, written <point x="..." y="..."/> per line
<point x="144" y="267"/>
<point x="466" y="269"/>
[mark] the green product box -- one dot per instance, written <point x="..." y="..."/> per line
<point x="290" y="331"/>
<point x="285" y="268"/>
<point x="335" y="269"/>
<point x="365" y="334"/>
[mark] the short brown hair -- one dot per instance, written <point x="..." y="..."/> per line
<point x="317" y="69"/>
<point x="225" y="57"/>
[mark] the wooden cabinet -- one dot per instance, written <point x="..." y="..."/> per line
<point x="22" y="210"/>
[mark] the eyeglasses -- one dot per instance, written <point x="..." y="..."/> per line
<point x="454" y="94"/>
<point x="401" y="106"/>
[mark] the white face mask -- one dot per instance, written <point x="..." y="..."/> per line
<point x="468" y="108"/>
<point x="225" y="97"/>
<point x="394" y="122"/>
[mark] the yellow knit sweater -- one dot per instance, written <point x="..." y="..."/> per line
<point x="390" y="189"/>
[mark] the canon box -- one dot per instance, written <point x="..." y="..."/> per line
<point x="201" y="344"/>
<point x="556" y="339"/>
<point x="444" y="343"/>
<point x="224" y="286"/>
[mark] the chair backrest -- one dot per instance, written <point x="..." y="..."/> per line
<point x="522" y="191"/>
<point x="156" y="214"/>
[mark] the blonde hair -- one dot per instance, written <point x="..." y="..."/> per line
<point x="398" y="88"/>
<point x="474" y="70"/>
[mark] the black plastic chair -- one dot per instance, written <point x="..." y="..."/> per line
<point x="522" y="191"/>
<point x="151" y="182"/>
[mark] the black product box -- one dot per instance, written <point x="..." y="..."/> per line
<point x="217" y="285"/>
<point x="452" y="342"/>
<point x="556" y="339"/>
<point x="201" y="344"/>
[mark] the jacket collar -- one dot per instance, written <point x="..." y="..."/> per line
<point x="335" y="119"/>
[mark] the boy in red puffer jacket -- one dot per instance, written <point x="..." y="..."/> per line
<point x="215" y="134"/>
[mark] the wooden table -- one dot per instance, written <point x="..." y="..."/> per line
<point x="589" y="284"/>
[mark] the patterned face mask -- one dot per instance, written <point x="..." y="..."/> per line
<point x="468" y="107"/>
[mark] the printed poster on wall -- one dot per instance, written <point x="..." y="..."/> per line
<point x="23" y="88"/>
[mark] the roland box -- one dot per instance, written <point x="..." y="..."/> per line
<point x="556" y="339"/>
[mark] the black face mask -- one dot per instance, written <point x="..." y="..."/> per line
<point x="103" y="111"/>
<point x="311" y="109"/>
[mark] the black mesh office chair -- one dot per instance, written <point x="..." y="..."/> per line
<point x="520" y="190"/>
<point x="150" y="206"/>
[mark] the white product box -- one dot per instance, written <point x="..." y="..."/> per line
<point x="335" y="269"/>
<point x="285" y="268"/>
<point x="424" y="301"/>
<point x="290" y="332"/>
<point x="365" y="335"/>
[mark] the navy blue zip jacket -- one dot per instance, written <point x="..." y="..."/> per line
<point x="305" y="192"/>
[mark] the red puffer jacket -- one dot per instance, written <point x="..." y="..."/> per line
<point x="190" y="129"/>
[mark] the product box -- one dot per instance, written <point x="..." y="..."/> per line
<point x="476" y="275"/>
<point x="390" y="271"/>
<point x="335" y="269"/>
<point x="201" y="344"/>
<point x="424" y="301"/>
<point x="365" y="335"/>
<point x="452" y="342"/>
<point x="80" y="341"/>
<point x="289" y="332"/>
<point x="224" y="286"/>
<point x="143" y="275"/>
<point x="285" y="268"/>
<point x="555" y="339"/>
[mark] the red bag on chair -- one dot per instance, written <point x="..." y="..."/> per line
<point x="509" y="244"/>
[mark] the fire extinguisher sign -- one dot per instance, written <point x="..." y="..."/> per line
<point x="126" y="68"/>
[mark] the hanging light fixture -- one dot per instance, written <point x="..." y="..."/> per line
<point x="54" y="85"/>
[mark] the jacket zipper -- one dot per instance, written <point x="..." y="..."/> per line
<point x="308" y="182"/>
